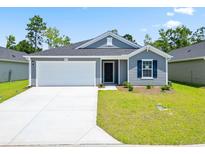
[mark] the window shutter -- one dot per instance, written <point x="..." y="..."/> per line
<point x="139" y="68"/>
<point x="154" y="68"/>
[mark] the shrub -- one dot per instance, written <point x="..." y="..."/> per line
<point x="166" y="87"/>
<point x="170" y="83"/>
<point x="101" y="85"/>
<point x="130" y="87"/>
<point x="148" y="86"/>
<point x="125" y="84"/>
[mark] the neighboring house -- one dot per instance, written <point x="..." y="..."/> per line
<point x="188" y="64"/>
<point x="13" y="66"/>
<point x="107" y="59"/>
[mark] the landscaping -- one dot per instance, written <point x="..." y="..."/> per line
<point x="10" y="89"/>
<point x="137" y="117"/>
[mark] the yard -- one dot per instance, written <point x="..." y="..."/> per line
<point x="10" y="89"/>
<point x="133" y="118"/>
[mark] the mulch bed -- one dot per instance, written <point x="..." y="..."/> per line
<point x="143" y="89"/>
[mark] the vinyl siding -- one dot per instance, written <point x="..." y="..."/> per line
<point x="123" y="71"/>
<point x="33" y="66"/>
<point x="161" y="69"/>
<point x="188" y="71"/>
<point x="19" y="71"/>
<point x="103" y="44"/>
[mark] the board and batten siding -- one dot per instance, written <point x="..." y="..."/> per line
<point x="33" y="66"/>
<point x="18" y="71"/>
<point x="123" y="71"/>
<point x="188" y="71"/>
<point x="161" y="69"/>
<point x="115" y="44"/>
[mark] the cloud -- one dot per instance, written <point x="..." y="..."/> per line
<point x="143" y="29"/>
<point x="185" y="10"/>
<point x="156" y="25"/>
<point x="172" y="24"/>
<point x="170" y="14"/>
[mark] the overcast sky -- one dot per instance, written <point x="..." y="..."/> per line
<point x="85" y="23"/>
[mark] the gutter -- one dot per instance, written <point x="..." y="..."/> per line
<point x="16" y="61"/>
<point x="188" y="59"/>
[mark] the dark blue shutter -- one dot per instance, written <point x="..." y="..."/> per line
<point x="154" y="68"/>
<point x="139" y="68"/>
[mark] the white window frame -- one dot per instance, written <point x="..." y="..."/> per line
<point x="151" y="69"/>
<point x="109" y="41"/>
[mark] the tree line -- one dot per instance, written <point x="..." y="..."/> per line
<point x="171" y="39"/>
<point x="37" y="34"/>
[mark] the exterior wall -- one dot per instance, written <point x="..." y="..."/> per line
<point x="161" y="69"/>
<point x="103" y="44"/>
<point x="188" y="71"/>
<point x="19" y="71"/>
<point x="33" y="66"/>
<point x="123" y="71"/>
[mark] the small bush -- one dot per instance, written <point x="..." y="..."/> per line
<point x="166" y="87"/>
<point x="148" y="86"/>
<point x="170" y="83"/>
<point x="101" y="86"/>
<point x="125" y="84"/>
<point x="130" y="87"/>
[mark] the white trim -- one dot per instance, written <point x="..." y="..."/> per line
<point x="100" y="71"/>
<point x="147" y="78"/>
<point x="166" y="72"/>
<point x="128" y="66"/>
<point x="118" y="71"/>
<point x="188" y="59"/>
<point x="113" y="77"/>
<point x="103" y="57"/>
<point x="16" y="61"/>
<point x="37" y="67"/>
<point x="29" y="70"/>
<point x="108" y="34"/>
<point x="151" y="48"/>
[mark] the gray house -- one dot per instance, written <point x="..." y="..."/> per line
<point x="188" y="64"/>
<point x="13" y="66"/>
<point x="107" y="59"/>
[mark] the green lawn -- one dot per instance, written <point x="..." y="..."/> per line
<point x="133" y="118"/>
<point x="10" y="89"/>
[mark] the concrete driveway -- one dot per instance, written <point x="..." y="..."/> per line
<point x="52" y="116"/>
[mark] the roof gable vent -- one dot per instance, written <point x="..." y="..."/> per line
<point x="109" y="41"/>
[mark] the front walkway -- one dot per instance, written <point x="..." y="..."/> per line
<point x="52" y="116"/>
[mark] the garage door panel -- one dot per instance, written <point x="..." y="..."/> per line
<point x="65" y="73"/>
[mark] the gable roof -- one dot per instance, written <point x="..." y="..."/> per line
<point x="12" y="55"/>
<point x="150" y="48"/>
<point x="104" y="35"/>
<point x="196" y="51"/>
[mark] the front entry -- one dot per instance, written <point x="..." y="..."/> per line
<point x="108" y="72"/>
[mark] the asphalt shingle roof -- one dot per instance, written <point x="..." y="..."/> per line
<point x="9" y="54"/>
<point x="193" y="51"/>
<point x="71" y="51"/>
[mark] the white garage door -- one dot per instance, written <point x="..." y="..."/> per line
<point x="62" y="73"/>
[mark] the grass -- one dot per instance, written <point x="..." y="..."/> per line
<point x="133" y="118"/>
<point x="10" y="89"/>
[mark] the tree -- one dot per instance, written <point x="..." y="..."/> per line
<point x="53" y="38"/>
<point x="171" y="39"/>
<point x="129" y="37"/>
<point x="114" y="31"/>
<point x="198" y="35"/>
<point x="147" y="40"/>
<point x="11" y="42"/>
<point x="25" y="46"/>
<point x="36" y="28"/>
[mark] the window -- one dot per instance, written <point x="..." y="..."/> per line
<point x="147" y="68"/>
<point x="109" y="41"/>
